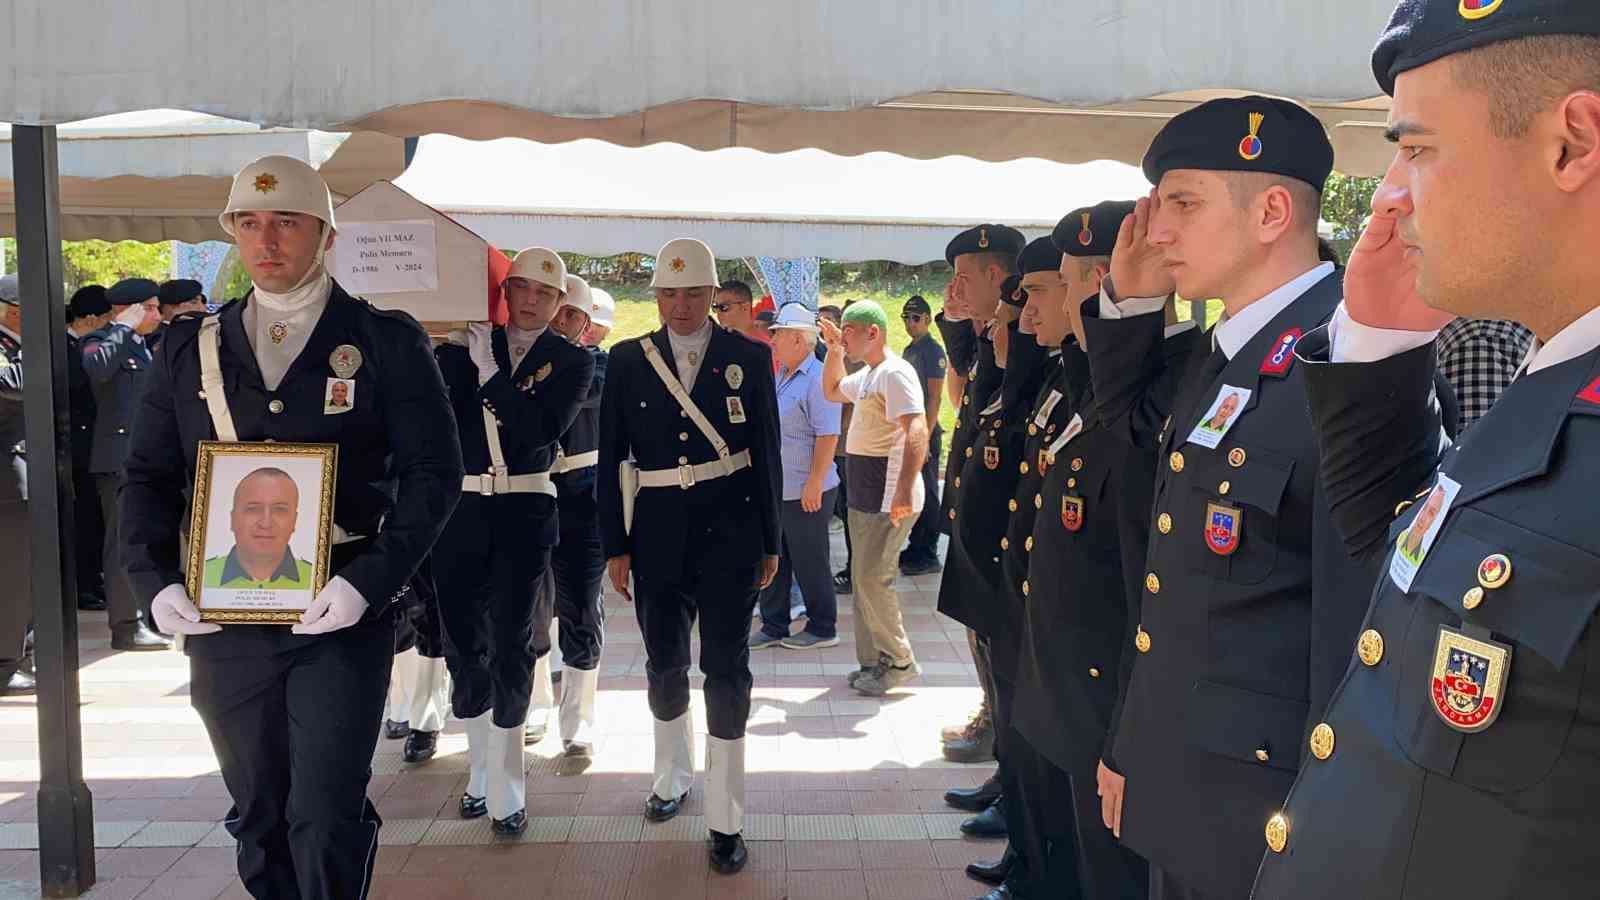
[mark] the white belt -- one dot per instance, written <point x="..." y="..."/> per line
<point x="575" y="462"/>
<point x="687" y="476"/>
<point x="491" y="484"/>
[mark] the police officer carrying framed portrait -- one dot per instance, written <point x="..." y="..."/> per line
<point x="293" y="711"/>
<point x="689" y="489"/>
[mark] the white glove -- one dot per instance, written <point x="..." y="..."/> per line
<point x="132" y="316"/>
<point x="480" y="346"/>
<point x="338" y="605"/>
<point x="175" y="613"/>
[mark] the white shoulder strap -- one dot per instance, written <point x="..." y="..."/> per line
<point x="211" y="385"/>
<point x="675" y="387"/>
<point x="491" y="433"/>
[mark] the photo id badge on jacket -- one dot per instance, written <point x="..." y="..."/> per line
<point x="1224" y="411"/>
<point x="1411" y="548"/>
<point x="735" y="410"/>
<point x="339" y="396"/>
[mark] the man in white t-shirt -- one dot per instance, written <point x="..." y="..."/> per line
<point x="884" y="451"/>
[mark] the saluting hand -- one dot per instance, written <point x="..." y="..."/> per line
<point x="829" y="332"/>
<point x="1380" y="285"/>
<point x="1137" y="266"/>
<point x="956" y="307"/>
<point x="617" y="567"/>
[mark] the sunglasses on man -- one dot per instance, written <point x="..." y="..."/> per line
<point x="724" y="307"/>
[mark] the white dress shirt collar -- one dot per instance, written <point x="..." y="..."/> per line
<point x="1568" y="344"/>
<point x="1234" y="332"/>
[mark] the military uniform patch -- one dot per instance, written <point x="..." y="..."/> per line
<point x="991" y="457"/>
<point x="1468" y="680"/>
<point x="1044" y="460"/>
<point x="1281" y="357"/>
<point x="1224" y="528"/>
<point x="1250" y="145"/>
<point x="1071" y="513"/>
<point x="1478" y="9"/>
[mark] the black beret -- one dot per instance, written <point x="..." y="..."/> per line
<point x="1091" y="230"/>
<point x="1039" y="256"/>
<point x="89" y="300"/>
<point x="916" y="305"/>
<point x="1011" y="292"/>
<point x="985" y="239"/>
<point x="1244" y="134"/>
<point x="180" y="290"/>
<point x="1421" y="31"/>
<point x="132" y="290"/>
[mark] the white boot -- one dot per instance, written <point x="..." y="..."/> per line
<point x="577" y="710"/>
<point x="508" y="786"/>
<point x="541" y="701"/>
<point x="478" y="754"/>
<point x="725" y="785"/>
<point x="430" y="694"/>
<point x="674" y="757"/>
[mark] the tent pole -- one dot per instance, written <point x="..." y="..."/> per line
<point x="66" y="811"/>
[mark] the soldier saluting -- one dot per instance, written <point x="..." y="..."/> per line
<point x="689" y="491"/>
<point x="293" y="713"/>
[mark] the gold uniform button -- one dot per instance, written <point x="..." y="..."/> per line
<point x="1152" y="583"/>
<point x="1473" y="598"/>
<point x="1322" y="741"/>
<point x="1024" y="588"/>
<point x="1028" y="544"/>
<point x="969" y="453"/>
<point x="1011" y="504"/>
<point x="1072" y="482"/>
<point x="1224" y="488"/>
<point x="1370" y="647"/>
<point x="1033" y="430"/>
<point x="1038" y="501"/>
<point x="275" y="407"/>
<point x="952" y="515"/>
<point x="1175" y="461"/>
<point x="683" y="435"/>
<point x="1093" y="672"/>
<point x="1077" y="464"/>
<point x="1277" y="833"/>
<point x="1236" y="457"/>
<point x="1141" y="641"/>
<point x="1164" y="523"/>
<point x="958" y="481"/>
<point x="1023" y="468"/>
<point x="1262" y="755"/>
<point x="1005" y="543"/>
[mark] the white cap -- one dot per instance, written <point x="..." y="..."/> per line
<point x="578" y="296"/>
<point x="540" y="264"/>
<point x="685" y="263"/>
<point x="278" y="184"/>
<point x="604" y="309"/>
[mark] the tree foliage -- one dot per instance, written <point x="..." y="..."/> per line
<point x="1346" y="203"/>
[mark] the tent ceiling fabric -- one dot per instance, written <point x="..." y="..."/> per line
<point x="164" y="174"/>
<point x="848" y="76"/>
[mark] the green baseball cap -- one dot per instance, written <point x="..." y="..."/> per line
<point x="866" y="312"/>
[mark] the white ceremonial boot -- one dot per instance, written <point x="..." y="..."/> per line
<point x="577" y="710"/>
<point x="508" y="784"/>
<point x="725" y="785"/>
<point x="473" y="803"/>
<point x="674" y="768"/>
<point x="540" y="702"/>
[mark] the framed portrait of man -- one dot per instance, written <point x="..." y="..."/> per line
<point x="260" y="530"/>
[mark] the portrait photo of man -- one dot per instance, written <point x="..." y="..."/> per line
<point x="1226" y="410"/>
<point x="340" y="396"/>
<point x="266" y="507"/>
<point x="1413" y="540"/>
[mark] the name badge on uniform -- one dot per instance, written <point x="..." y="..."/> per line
<point x="1219" y="419"/>
<point x="1046" y="408"/>
<point x="735" y="410"/>
<point x="1411" y="548"/>
<point x="339" y="396"/>
<point x="1467" y="683"/>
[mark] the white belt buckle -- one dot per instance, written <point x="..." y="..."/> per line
<point x="685" y="476"/>
<point x="486" y="484"/>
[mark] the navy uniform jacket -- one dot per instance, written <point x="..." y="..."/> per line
<point x="1239" y="646"/>
<point x="972" y="355"/>
<point x="399" y="459"/>
<point x="729" y="522"/>
<point x="1394" y="802"/>
<point x="534" y="402"/>
<point x="575" y="490"/>
<point x="118" y="366"/>
<point x="80" y="400"/>
<point x="972" y="590"/>
<point x="13" y="456"/>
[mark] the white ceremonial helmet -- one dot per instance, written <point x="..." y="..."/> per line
<point x="685" y="263"/>
<point x="578" y="296"/>
<point x="278" y="184"/>
<point x="605" y="308"/>
<point x="542" y="265"/>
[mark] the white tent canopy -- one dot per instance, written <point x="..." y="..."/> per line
<point x="598" y="199"/>
<point x="164" y="174"/>
<point x="1000" y="79"/>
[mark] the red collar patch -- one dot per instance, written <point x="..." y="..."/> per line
<point x="1591" y="394"/>
<point x="1281" y="357"/>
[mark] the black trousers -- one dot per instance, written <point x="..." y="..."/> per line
<point x="578" y="564"/>
<point x="1005" y="741"/>
<point x="723" y="600"/>
<point x="16" y="600"/>
<point x="294" y="733"/>
<point x="496" y="620"/>
<point x="804" y="560"/>
<point x="923" y="545"/>
<point x="122" y="609"/>
<point x="1079" y="856"/>
<point x="89" y="524"/>
<point x="841" y="509"/>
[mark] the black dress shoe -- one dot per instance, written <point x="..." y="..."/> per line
<point x="20" y="684"/>
<point x="974" y="800"/>
<point x="841" y="583"/>
<point x="139" y="638"/>
<point x="915" y="567"/>
<point x="993" y="872"/>
<point x="91" y="602"/>
<point x="420" y="746"/>
<point x="990" y="823"/>
<point x="1003" y="892"/>
<point x="474" y="807"/>
<point x="394" y="731"/>
<point x="511" y="825"/>
<point x="728" y="853"/>
<point x="659" y="810"/>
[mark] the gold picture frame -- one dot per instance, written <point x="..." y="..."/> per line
<point x="272" y="568"/>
